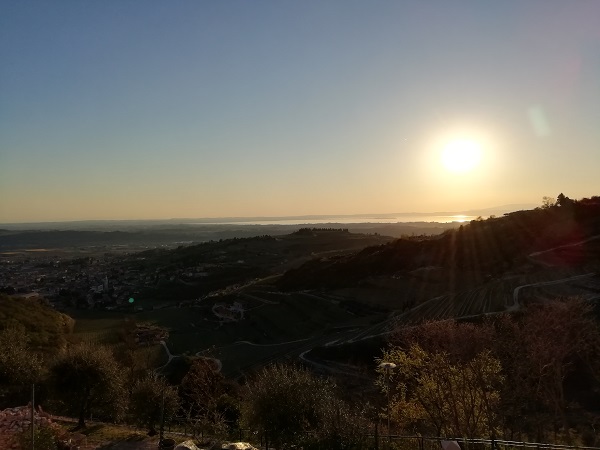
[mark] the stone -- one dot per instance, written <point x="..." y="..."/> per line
<point x="187" y="445"/>
<point x="238" y="446"/>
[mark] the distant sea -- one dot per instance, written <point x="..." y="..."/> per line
<point x="399" y="218"/>
<point x="411" y="217"/>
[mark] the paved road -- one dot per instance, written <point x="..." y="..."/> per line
<point x="516" y="305"/>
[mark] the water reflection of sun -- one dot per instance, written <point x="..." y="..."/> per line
<point x="460" y="218"/>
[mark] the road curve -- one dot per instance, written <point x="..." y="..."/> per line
<point x="516" y="305"/>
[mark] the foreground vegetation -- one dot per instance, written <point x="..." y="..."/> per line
<point x="471" y="355"/>
<point x="534" y="375"/>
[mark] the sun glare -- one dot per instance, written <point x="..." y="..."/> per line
<point x="461" y="156"/>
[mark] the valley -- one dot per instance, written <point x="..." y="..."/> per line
<point x="247" y="302"/>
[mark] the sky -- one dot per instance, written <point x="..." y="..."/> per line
<point x="141" y="109"/>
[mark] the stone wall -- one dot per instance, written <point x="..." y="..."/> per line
<point x="15" y="420"/>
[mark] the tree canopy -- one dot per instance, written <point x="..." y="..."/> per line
<point x="511" y="374"/>
<point x="152" y="399"/>
<point x="19" y="365"/>
<point x="86" y="378"/>
<point x="286" y="401"/>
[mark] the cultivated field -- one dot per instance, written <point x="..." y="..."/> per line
<point x="284" y="325"/>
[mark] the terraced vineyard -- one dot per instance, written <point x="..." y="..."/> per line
<point x="495" y="297"/>
<point x="279" y="326"/>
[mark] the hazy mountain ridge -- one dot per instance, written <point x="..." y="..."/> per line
<point x="176" y="235"/>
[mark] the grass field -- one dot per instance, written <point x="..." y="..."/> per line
<point x="100" y="327"/>
<point x="106" y="328"/>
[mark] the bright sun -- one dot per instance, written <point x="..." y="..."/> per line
<point x="461" y="156"/>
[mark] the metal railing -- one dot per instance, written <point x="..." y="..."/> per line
<point x="188" y="428"/>
<point x="402" y="442"/>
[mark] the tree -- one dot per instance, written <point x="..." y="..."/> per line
<point x="342" y="426"/>
<point x="202" y="386"/>
<point x="86" y="379"/>
<point x="548" y="355"/>
<point x="151" y="398"/>
<point x="446" y="358"/>
<point x="548" y="202"/>
<point x="563" y="201"/>
<point x="520" y="412"/>
<point x="461" y="340"/>
<point x="19" y="365"/>
<point x="457" y="399"/>
<point x="284" y="402"/>
<point x="208" y="398"/>
<point x="556" y="335"/>
<point x="540" y="350"/>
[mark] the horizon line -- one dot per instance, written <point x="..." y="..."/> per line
<point x="214" y="220"/>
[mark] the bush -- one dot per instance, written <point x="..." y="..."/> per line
<point x="44" y="438"/>
<point x="291" y="406"/>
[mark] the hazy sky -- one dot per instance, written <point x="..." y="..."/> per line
<point x="140" y="109"/>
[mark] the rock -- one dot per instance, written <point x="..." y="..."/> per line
<point x="17" y="420"/>
<point x="187" y="445"/>
<point x="450" y="445"/>
<point x="238" y="446"/>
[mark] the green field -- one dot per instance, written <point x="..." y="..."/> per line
<point x="276" y="325"/>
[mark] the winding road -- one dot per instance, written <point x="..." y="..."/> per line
<point x="170" y="356"/>
<point x="382" y="328"/>
<point x="516" y="305"/>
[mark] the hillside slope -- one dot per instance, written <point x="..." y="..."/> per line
<point x="489" y="247"/>
<point x="46" y="327"/>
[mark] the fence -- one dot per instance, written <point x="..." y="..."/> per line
<point x="183" y="428"/>
<point x="368" y="441"/>
<point x="398" y="442"/>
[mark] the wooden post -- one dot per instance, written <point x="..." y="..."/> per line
<point x="33" y="416"/>
<point x="162" y="418"/>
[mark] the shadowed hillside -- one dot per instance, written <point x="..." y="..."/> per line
<point x="45" y="327"/>
<point x="490" y="247"/>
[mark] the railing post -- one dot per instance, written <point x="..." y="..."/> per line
<point x="33" y="416"/>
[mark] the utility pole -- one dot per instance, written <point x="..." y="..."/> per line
<point x="32" y="416"/>
<point x="162" y="418"/>
<point x="388" y="366"/>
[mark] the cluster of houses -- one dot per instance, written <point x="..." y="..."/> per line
<point x="148" y="334"/>
<point x="228" y="313"/>
<point x="82" y="282"/>
<point x="91" y="282"/>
